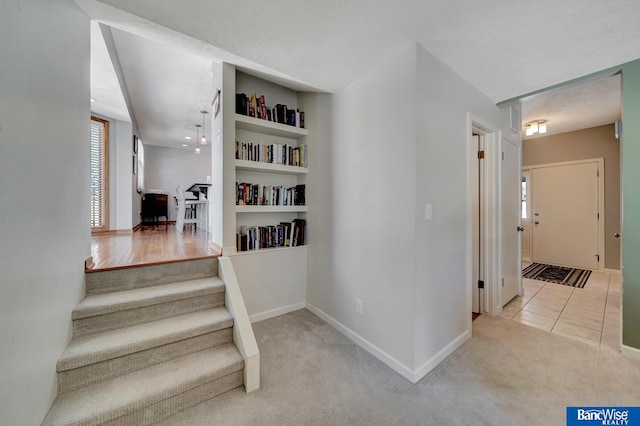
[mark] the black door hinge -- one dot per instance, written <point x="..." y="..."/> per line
<point x="480" y="284"/>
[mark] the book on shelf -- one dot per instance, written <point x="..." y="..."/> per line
<point x="250" y="194"/>
<point x="284" y="234"/>
<point x="283" y="154"/>
<point x="256" y="106"/>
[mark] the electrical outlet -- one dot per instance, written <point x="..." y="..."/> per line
<point x="358" y="306"/>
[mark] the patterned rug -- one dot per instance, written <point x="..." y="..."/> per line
<point x="557" y="274"/>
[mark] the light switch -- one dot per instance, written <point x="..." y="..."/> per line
<point x="428" y="212"/>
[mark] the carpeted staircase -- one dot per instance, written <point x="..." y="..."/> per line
<point x="147" y="342"/>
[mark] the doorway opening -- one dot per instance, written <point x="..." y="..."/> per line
<point x="580" y="121"/>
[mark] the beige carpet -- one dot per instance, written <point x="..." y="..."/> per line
<point x="506" y="374"/>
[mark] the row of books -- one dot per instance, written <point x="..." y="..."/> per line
<point x="284" y="234"/>
<point x="255" y="194"/>
<point x="275" y="153"/>
<point x="256" y="106"/>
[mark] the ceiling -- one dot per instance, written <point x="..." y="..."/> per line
<point x="578" y="106"/>
<point x="504" y="49"/>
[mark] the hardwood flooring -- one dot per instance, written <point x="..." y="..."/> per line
<point x="149" y="246"/>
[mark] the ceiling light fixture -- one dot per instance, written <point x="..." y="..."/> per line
<point x="184" y="145"/>
<point x="188" y="138"/>
<point x="203" y="139"/>
<point x="93" y="100"/>
<point x="533" y="127"/>
<point x="198" y="138"/>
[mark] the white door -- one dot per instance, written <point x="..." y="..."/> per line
<point x="565" y="214"/>
<point x="510" y="201"/>
<point x="477" y="231"/>
<point x="526" y="215"/>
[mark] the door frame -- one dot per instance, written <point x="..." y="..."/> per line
<point x="601" y="196"/>
<point x="490" y="136"/>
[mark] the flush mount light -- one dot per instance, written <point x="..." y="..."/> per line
<point x="92" y="100"/>
<point x="537" y="126"/>
<point x="184" y="145"/>
<point x="188" y="138"/>
<point x="203" y="139"/>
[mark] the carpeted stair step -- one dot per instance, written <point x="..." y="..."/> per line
<point x="107" y="281"/>
<point x="108" y="311"/>
<point x="146" y="396"/>
<point x="96" y="357"/>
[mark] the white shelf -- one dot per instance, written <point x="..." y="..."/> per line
<point x="269" y="167"/>
<point x="267" y="250"/>
<point x="271" y="209"/>
<point x="269" y="127"/>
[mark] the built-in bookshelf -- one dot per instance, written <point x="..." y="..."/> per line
<point x="270" y="161"/>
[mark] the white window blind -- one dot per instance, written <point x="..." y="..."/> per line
<point x="98" y="173"/>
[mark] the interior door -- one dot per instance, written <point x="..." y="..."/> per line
<point x="526" y="215"/>
<point x="510" y="201"/>
<point x="565" y="214"/>
<point x="477" y="231"/>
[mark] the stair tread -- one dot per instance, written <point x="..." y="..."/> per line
<point x="99" y="347"/>
<point x="100" y="304"/>
<point x="124" y="394"/>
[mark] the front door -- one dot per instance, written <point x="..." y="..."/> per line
<point x="565" y="214"/>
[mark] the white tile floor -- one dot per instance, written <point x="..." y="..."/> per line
<point x="590" y="314"/>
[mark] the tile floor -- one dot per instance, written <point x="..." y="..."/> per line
<point x="590" y="314"/>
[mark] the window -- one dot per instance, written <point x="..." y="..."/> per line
<point x="524" y="197"/>
<point x="140" y="177"/>
<point x="99" y="141"/>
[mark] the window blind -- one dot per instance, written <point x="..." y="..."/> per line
<point x="97" y="174"/>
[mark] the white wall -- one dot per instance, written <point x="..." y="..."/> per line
<point x="272" y="281"/>
<point x="443" y="251"/>
<point x="44" y="207"/>
<point x="371" y="215"/>
<point x="399" y="140"/>
<point x="166" y="168"/>
<point x="120" y="173"/>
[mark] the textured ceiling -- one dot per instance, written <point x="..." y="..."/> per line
<point x="579" y="106"/>
<point x="504" y="49"/>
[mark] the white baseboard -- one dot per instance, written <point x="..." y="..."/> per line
<point x="611" y="271"/>
<point x="629" y="352"/>
<point x="277" y="312"/>
<point x="432" y="363"/>
<point x="412" y="375"/>
<point x="389" y="360"/>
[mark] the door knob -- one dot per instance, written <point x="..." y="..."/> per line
<point x="536" y="222"/>
<point x="536" y="214"/>
<point x="520" y="228"/>
<point x="616" y="235"/>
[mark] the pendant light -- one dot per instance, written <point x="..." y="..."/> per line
<point x="203" y="139"/>
<point x="198" y="138"/>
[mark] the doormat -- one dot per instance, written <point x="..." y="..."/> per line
<point x="557" y="274"/>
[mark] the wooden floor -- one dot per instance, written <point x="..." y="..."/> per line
<point x="149" y="246"/>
